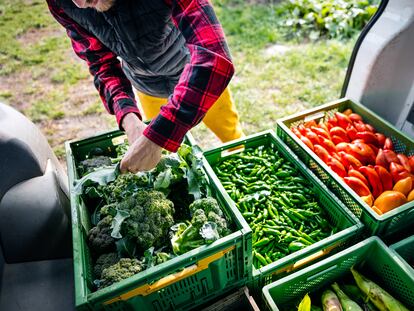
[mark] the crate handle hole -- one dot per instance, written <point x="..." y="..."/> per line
<point x="315" y="116"/>
<point x="233" y="150"/>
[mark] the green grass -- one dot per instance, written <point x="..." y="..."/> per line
<point x="35" y="52"/>
<point x="267" y="87"/>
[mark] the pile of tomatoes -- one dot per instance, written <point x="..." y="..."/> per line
<point x="363" y="158"/>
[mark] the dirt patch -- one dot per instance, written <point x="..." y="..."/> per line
<point x="16" y="84"/>
<point x="73" y="128"/>
<point x="34" y="35"/>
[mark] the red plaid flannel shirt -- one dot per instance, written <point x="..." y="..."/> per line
<point x="202" y="81"/>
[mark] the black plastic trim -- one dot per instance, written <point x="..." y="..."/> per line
<point x="361" y="38"/>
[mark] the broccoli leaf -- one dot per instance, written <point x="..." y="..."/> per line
<point x="126" y="247"/>
<point x="163" y="179"/>
<point x="101" y="176"/>
<point x="120" y="216"/>
<point x="149" y="259"/>
<point x="92" y="192"/>
<point x="195" y="177"/>
<point x="184" y="151"/>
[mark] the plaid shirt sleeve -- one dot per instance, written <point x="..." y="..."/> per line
<point x="113" y="86"/>
<point x="203" y="79"/>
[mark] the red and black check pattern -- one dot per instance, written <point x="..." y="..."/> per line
<point x="202" y="81"/>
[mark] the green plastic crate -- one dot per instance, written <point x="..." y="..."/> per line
<point x="181" y="283"/>
<point x="371" y="257"/>
<point x="381" y="225"/>
<point x="338" y="214"/>
<point x="405" y="249"/>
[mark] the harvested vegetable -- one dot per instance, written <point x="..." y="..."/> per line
<point x="305" y="304"/>
<point x="330" y="301"/>
<point x="133" y="214"/>
<point x="277" y="202"/>
<point x="346" y="303"/>
<point x="357" y="295"/>
<point x="378" y="296"/>
<point x="410" y="196"/>
<point x="404" y="185"/>
<point x="389" y="200"/>
<point x="362" y="157"/>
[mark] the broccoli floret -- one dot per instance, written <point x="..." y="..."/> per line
<point x="207" y="225"/>
<point x="89" y="165"/>
<point x="99" y="237"/>
<point x="220" y="222"/>
<point x="124" y="185"/>
<point x="104" y="261"/>
<point x="199" y="218"/>
<point x="213" y="212"/>
<point x="207" y="205"/>
<point x="150" y="217"/>
<point x="121" y="149"/>
<point x="123" y="269"/>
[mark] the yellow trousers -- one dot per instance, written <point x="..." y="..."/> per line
<point x="222" y="118"/>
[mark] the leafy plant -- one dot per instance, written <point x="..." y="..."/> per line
<point x="339" y="19"/>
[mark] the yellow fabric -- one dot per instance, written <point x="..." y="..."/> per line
<point x="222" y="118"/>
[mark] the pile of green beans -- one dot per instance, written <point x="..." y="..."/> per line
<point x="276" y="200"/>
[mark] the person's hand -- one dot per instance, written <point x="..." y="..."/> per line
<point x="142" y="155"/>
<point x="133" y="127"/>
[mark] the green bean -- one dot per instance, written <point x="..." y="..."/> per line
<point x="279" y="204"/>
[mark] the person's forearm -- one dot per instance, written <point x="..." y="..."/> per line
<point x="133" y="127"/>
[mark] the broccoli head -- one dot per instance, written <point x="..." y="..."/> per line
<point x="123" y="269"/>
<point x="207" y="205"/>
<point x="150" y="217"/>
<point x="124" y="185"/>
<point x="191" y="235"/>
<point x="99" y="237"/>
<point x="104" y="261"/>
<point x="213" y="212"/>
<point x="221" y="223"/>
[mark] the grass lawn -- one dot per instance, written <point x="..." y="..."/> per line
<point x="41" y="76"/>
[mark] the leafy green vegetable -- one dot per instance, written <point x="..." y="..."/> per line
<point x="99" y="237"/>
<point x="117" y="221"/>
<point x="101" y="176"/>
<point x="194" y="174"/>
<point x="123" y="269"/>
<point x="340" y="19"/>
<point x="104" y="261"/>
<point x="126" y="247"/>
<point x="145" y="216"/>
<point x="89" y="165"/>
<point x="206" y="226"/>
<point x="133" y="213"/>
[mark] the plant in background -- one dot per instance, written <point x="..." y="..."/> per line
<point x="339" y="19"/>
